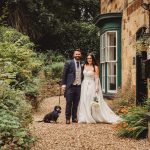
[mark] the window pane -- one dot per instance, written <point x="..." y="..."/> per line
<point x="111" y="69"/>
<point x="111" y="53"/>
<point x="111" y="36"/>
<point x="103" y="84"/>
<point x="102" y="48"/>
<point x="104" y="41"/>
<point x="100" y="42"/>
<point x="108" y="59"/>
<point x="103" y="77"/>
<point x="103" y="69"/>
<point x="111" y="83"/>
<point x="103" y="56"/>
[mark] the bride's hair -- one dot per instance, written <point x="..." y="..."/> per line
<point x="93" y="60"/>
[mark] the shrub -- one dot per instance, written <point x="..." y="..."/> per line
<point x="15" y="115"/>
<point x="48" y="71"/>
<point x="52" y="57"/>
<point x="54" y="64"/>
<point x="19" y="69"/>
<point x="19" y="64"/>
<point x="134" y="124"/>
<point x="125" y="97"/>
<point x="56" y="70"/>
<point x="142" y="44"/>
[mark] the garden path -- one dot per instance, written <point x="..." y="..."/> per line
<point x="78" y="136"/>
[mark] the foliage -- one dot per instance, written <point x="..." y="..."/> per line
<point x="125" y="97"/>
<point x="56" y="71"/>
<point x="58" y="25"/>
<point x="15" y="115"/>
<point x="52" y="56"/>
<point x="54" y="64"/>
<point x="53" y="72"/>
<point x="79" y="34"/>
<point x="19" y="69"/>
<point x="142" y="45"/>
<point x="134" y="124"/>
<point x="46" y="13"/>
<point x="19" y="64"/>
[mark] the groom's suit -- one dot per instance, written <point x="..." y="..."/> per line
<point x="73" y="88"/>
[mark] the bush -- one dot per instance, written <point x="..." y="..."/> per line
<point x="54" y="64"/>
<point x="19" y="69"/>
<point x="125" y="97"/>
<point x="142" y="44"/>
<point x="52" y="57"/>
<point x="134" y="124"/>
<point x="15" y="115"/>
<point x="19" y="64"/>
<point x="57" y="70"/>
<point x="48" y="71"/>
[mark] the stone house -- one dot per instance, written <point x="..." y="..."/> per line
<point x="121" y="23"/>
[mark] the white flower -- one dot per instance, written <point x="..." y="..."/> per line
<point x="82" y="65"/>
<point x="95" y="102"/>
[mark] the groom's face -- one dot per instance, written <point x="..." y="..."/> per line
<point x="77" y="55"/>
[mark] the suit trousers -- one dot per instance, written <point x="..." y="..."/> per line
<point x="72" y="101"/>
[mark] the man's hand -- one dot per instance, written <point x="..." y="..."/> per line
<point x="63" y="87"/>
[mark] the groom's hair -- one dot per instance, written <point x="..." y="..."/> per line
<point x="77" y="49"/>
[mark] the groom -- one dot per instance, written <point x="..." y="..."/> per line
<point x="71" y="84"/>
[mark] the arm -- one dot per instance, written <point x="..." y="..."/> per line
<point x="64" y="76"/>
<point x="96" y="78"/>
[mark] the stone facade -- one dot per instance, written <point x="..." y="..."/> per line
<point x="110" y="6"/>
<point x="133" y="18"/>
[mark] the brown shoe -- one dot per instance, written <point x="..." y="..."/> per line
<point x="75" y="121"/>
<point x="67" y="121"/>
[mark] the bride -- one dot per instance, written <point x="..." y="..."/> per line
<point x="91" y="88"/>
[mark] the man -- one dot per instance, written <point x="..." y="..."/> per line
<point x="71" y="83"/>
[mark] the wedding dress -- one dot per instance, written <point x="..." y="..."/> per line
<point x="87" y="113"/>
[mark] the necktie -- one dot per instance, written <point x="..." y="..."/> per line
<point x="77" y="64"/>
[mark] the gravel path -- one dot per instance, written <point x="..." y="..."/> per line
<point x="78" y="136"/>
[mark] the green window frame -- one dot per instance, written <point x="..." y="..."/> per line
<point x="109" y="61"/>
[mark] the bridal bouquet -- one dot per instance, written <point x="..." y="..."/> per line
<point x="95" y="102"/>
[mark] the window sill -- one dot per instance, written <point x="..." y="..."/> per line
<point x="109" y="96"/>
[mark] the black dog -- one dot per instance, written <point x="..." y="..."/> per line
<point x="52" y="116"/>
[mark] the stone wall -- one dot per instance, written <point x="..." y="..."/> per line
<point x="109" y="6"/>
<point x="134" y="17"/>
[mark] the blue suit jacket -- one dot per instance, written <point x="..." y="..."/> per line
<point x="69" y="73"/>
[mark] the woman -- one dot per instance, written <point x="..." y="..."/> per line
<point x="89" y="89"/>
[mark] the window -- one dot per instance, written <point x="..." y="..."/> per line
<point x="108" y="60"/>
<point x="103" y="77"/>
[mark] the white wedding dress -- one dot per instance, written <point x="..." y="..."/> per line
<point x="87" y="113"/>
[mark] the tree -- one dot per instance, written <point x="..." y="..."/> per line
<point x="53" y="24"/>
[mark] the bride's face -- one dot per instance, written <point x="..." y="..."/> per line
<point x="89" y="60"/>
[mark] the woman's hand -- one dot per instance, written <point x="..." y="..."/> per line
<point x="97" y="89"/>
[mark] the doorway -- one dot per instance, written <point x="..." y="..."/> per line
<point x="141" y="81"/>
